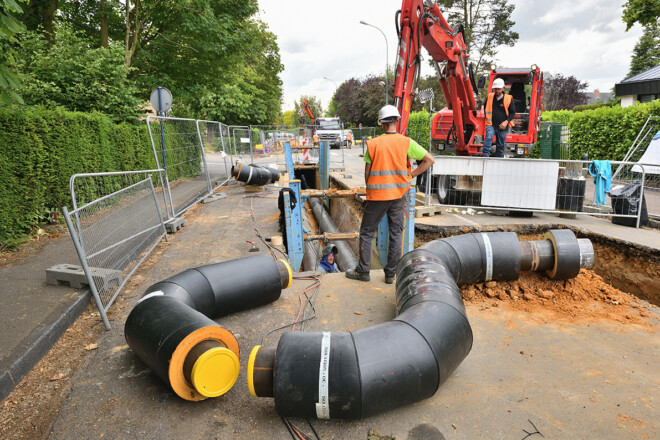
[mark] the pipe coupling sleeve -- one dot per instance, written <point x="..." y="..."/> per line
<point x="171" y="339"/>
<point x="260" y="371"/>
<point x="286" y="274"/>
<point x="567" y="254"/>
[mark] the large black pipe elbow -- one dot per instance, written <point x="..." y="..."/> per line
<point x="172" y="331"/>
<point x="376" y="369"/>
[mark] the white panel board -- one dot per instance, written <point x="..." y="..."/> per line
<point x="514" y="183"/>
<point x="468" y="166"/>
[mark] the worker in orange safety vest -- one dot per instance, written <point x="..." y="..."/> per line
<point x="500" y="111"/>
<point x="387" y="173"/>
<point x="315" y="139"/>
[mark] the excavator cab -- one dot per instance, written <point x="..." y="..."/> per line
<point x="525" y="85"/>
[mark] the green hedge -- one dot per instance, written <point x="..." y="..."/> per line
<point x="608" y="132"/>
<point x="419" y="126"/>
<point x="40" y="151"/>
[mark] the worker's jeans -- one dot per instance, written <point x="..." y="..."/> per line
<point x="373" y="214"/>
<point x="500" y="141"/>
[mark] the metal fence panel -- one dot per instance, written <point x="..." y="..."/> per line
<point x="177" y="145"/>
<point x="473" y="184"/>
<point x="113" y="234"/>
<point x="216" y="144"/>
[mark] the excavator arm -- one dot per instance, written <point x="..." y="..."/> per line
<point x="306" y="110"/>
<point x="421" y="24"/>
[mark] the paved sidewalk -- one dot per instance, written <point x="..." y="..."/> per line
<point x="33" y="314"/>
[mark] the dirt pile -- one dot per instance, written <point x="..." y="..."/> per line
<point x="582" y="299"/>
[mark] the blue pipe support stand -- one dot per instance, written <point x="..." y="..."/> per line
<point x="294" y="227"/>
<point x="324" y="164"/>
<point x="289" y="160"/>
<point x="383" y="233"/>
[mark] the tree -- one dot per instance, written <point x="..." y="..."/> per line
<point x="487" y="25"/>
<point x="647" y="51"/>
<point x="357" y="101"/>
<point x="9" y="27"/>
<point x="65" y="72"/>
<point x="563" y="93"/>
<point x="216" y="58"/>
<point x="644" y="12"/>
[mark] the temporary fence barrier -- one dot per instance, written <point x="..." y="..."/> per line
<point x="241" y="141"/>
<point x="473" y="184"/>
<point x="178" y="146"/>
<point x="646" y="149"/>
<point x="114" y="232"/>
<point x="217" y="148"/>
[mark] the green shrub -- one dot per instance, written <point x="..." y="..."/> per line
<point x="563" y="116"/>
<point x="581" y="108"/>
<point x="608" y="132"/>
<point x="419" y="126"/>
<point x="43" y="148"/>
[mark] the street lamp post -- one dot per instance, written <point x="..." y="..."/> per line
<point x="386" y="60"/>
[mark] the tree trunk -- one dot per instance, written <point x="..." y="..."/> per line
<point x="104" y="25"/>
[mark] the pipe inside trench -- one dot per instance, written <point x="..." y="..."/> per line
<point x="346" y="258"/>
<point x="351" y="375"/>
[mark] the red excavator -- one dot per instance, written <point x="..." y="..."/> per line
<point x="461" y="126"/>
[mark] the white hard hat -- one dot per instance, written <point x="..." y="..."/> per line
<point x="498" y="83"/>
<point x="389" y="113"/>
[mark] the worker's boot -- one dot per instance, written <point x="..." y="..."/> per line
<point x="389" y="280"/>
<point x="355" y="275"/>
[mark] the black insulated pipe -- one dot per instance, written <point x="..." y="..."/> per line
<point x="254" y="175"/>
<point x="350" y="375"/>
<point x="172" y="331"/>
<point x="346" y="258"/>
<point x="274" y="174"/>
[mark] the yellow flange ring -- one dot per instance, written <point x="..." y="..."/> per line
<point x="288" y="268"/>
<point x="250" y="370"/>
<point x="215" y="372"/>
<point x="178" y="381"/>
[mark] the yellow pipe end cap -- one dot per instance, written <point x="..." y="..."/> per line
<point x="250" y="370"/>
<point x="215" y="372"/>
<point x="288" y="268"/>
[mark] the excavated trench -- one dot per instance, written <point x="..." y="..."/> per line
<point x="623" y="286"/>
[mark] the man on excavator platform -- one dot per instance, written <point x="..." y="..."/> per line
<point x="500" y="111"/>
<point x="388" y="173"/>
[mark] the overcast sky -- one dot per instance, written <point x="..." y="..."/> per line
<point x="586" y="39"/>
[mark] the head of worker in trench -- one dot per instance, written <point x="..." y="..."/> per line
<point x="328" y="264"/>
<point x="388" y="174"/>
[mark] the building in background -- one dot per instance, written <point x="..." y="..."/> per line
<point x="643" y="87"/>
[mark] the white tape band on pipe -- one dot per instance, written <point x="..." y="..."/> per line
<point x="489" y="257"/>
<point x="249" y="176"/>
<point x="323" y="405"/>
<point x="152" y="294"/>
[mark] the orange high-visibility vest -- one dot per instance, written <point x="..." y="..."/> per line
<point x="315" y="138"/>
<point x="390" y="168"/>
<point x="349" y="136"/>
<point x="489" y="108"/>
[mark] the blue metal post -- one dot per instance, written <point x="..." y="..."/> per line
<point x="289" y="160"/>
<point x="324" y="164"/>
<point x="294" y="227"/>
<point x="409" y="229"/>
<point x="383" y="240"/>
<point x="383" y="232"/>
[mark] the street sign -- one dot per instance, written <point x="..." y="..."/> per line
<point x="360" y="125"/>
<point x="426" y="95"/>
<point x="163" y="102"/>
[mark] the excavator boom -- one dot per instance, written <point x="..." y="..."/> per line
<point x="422" y="24"/>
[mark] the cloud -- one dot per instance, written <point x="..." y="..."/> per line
<point x="586" y="39"/>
